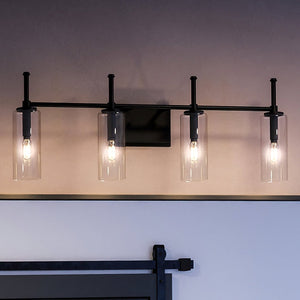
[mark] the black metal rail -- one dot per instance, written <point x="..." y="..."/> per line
<point x="158" y="266"/>
<point x="91" y="265"/>
<point x="111" y="105"/>
<point x="150" y="106"/>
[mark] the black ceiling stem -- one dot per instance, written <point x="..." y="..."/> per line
<point x="26" y="102"/>
<point x="193" y="111"/>
<point x="26" y="108"/>
<point x="111" y="112"/>
<point x="274" y="113"/>
<point x="273" y="95"/>
<point x="111" y="101"/>
<point x="193" y="94"/>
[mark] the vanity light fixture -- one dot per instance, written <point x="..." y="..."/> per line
<point x="117" y="128"/>
<point x="111" y="139"/>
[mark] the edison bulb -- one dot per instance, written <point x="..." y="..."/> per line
<point x="194" y="151"/>
<point x="111" y="152"/>
<point x="26" y="149"/>
<point x="274" y="153"/>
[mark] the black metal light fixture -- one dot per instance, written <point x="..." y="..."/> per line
<point x="274" y="142"/>
<point x="111" y="138"/>
<point x="193" y="140"/>
<point x="26" y="138"/>
<point x="116" y="121"/>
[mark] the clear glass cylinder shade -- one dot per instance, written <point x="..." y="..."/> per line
<point x="274" y="156"/>
<point x="27" y="152"/>
<point x="112" y="151"/>
<point x="193" y="153"/>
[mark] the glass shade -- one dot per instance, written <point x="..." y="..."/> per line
<point x="274" y="159"/>
<point x="193" y="152"/>
<point x="27" y="152"/>
<point x="111" y="141"/>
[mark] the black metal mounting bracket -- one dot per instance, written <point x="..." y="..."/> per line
<point x="147" y="127"/>
<point x="158" y="266"/>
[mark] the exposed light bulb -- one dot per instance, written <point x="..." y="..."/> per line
<point x="274" y="153"/>
<point x="26" y="149"/>
<point x="111" y="152"/>
<point x="194" y="152"/>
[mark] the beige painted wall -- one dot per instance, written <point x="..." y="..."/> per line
<point x="152" y="47"/>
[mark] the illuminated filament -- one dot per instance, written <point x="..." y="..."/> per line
<point x="194" y="151"/>
<point x="26" y="148"/>
<point x="274" y="153"/>
<point x="112" y="153"/>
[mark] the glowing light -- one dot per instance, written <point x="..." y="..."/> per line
<point x="194" y="152"/>
<point x="26" y="149"/>
<point x="274" y="153"/>
<point x="111" y="152"/>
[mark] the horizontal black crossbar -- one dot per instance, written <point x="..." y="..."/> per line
<point x="150" y="106"/>
<point x="180" y="264"/>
